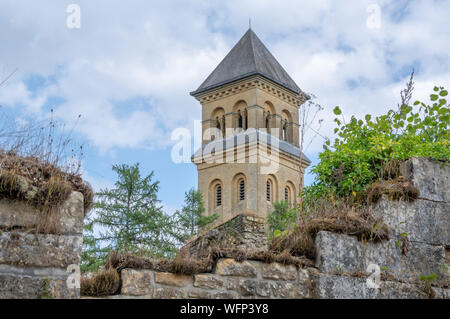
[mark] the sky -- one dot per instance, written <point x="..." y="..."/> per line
<point x="127" y="67"/>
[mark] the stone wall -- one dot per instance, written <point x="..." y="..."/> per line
<point x="244" y="231"/>
<point x="230" y="279"/>
<point x="36" y="265"/>
<point x="419" y="246"/>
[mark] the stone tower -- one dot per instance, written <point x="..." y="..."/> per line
<point x="250" y="154"/>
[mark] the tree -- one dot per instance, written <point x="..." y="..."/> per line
<point x="190" y="220"/>
<point x="92" y="256"/>
<point x="282" y="218"/>
<point x="129" y="216"/>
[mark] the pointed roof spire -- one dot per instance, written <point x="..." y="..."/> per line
<point x="248" y="57"/>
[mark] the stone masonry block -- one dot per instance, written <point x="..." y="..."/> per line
<point x="19" y="214"/>
<point x="432" y="178"/>
<point x="424" y="221"/>
<point x="170" y="279"/>
<point x="31" y="287"/>
<point x="208" y="281"/>
<point x="343" y="287"/>
<point x="136" y="282"/>
<point x="230" y="267"/>
<point x="18" y="248"/>
<point x="278" y="271"/>
<point x="338" y="253"/>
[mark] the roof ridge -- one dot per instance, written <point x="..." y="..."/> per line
<point x="252" y="45"/>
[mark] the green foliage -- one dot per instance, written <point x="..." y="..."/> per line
<point x="92" y="255"/>
<point x="429" y="278"/>
<point x="129" y="219"/>
<point x="190" y="220"/>
<point x="45" y="289"/>
<point x="363" y="146"/>
<point x="281" y="219"/>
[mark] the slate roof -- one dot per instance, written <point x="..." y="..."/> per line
<point x="249" y="136"/>
<point x="248" y="57"/>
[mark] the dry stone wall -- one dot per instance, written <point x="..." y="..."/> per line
<point x="39" y="265"/>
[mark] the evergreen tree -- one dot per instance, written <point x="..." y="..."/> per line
<point x="282" y="218"/>
<point x="129" y="217"/>
<point x="92" y="255"/>
<point x="191" y="219"/>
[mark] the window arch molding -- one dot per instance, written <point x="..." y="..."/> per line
<point x="271" y="189"/>
<point x="289" y="193"/>
<point x="216" y="195"/>
<point x="240" y="121"/>
<point x="287" y="126"/>
<point x="239" y="188"/>
<point x="218" y="121"/>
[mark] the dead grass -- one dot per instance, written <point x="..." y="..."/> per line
<point x="300" y="241"/>
<point x="44" y="186"/>
<point x="203" y="264"/>
<point x="395" y="189"/>
<point x="105" y="283"/>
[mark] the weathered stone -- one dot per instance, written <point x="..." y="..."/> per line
<point x="20" y="214"/>
<point x="247" y="287"/>
<point x="303" y="287"/>
<point x="278" y="271"/>
<point x="263" y="289"/>
<point x="19" y="248"/>
<point x="72" y="214"/>
<point x="170" y="279"/>
<point x="208" y="281"/>
<point x="230" y="267"/>
<point x="424" y="221"/>
<point x="225" y="295"/>
<point x="343" y="287"/>
<point x="441" y="293"/>
<point x="291" y="290"/>
<point x="29" y="287"/>
<point x="432" y="178"/>
<point x="338" y="253"/>
<point x="168" y="293"/>
<point x="244" y="231"/>
<point x="136" y="282"/>
<point x="199" y="294"/>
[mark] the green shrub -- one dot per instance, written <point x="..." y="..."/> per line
<point x="281" y="219"/>
<point x="363" y="147"/>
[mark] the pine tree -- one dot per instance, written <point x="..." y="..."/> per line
<point x="191" y="219"/>
<point x="129" y="217"/>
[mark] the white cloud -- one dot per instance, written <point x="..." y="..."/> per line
<point x="159" y="51"/>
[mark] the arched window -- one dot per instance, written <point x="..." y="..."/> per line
<point x="284" y="132"/>
<point x="246" y="120"/>
<point x="241" y="189"/>
<point x="239" y="119"/>
<point x="218" y="195"/>
<point x="218" y="126"/>
<point x="286" y="194"/>
<point x="268" y="191"/>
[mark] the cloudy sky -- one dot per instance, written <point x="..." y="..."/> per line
<point x="129" y="68"/>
